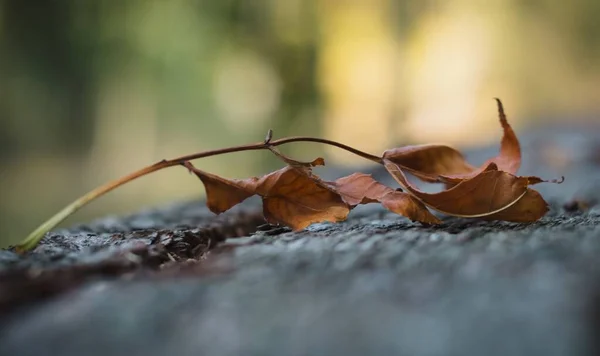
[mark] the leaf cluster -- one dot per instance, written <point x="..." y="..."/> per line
<point x="294" y="196"/>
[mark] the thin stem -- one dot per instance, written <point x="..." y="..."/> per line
<point x="279" y="142"/>
<point x="34" y="238"/>
<point x="193" y="156"/>
<point x="353" y="150"/>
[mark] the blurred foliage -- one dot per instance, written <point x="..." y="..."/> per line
<point x="91" y="90"/>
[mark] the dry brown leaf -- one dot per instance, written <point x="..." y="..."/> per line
<point x="291" y="196"/>
<point x="530" y="207"/>
<point x="439" y="163"/>
<point x="485" y="194"/>
<point x="428" y="162"/>
<point x="360" y="188"/>
<point x="508" y="160"/>
<point x="319" y="161"/>
<point x="223" y="194"/>
<point x="406" y="205"/>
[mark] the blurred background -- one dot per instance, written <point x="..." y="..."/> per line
<point x="91" y="90"/>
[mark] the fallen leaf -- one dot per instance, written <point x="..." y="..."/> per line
<point x="360" y="188"/>
<point x="223" y="194"/>
<point x="428" y="162"/>
<point x="485" y="194"/>
<point x="406" y="205"/>
<point x="440" y="163"/>
<point x="294" y="163"/>
<point x="292" y="196"/>
<point x="530" y="207"/>
<point x="508" y="160"/>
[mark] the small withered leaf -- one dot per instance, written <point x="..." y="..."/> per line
<point x="439" y="163"/>
<point x="292" y="196"/>
<point x="427" y="162"/>
<point x="360" y="188"/>
<point x="223" y="194"/>
<point x="485" y="194"/>
<point x="508" y="160"/>
<point x="406" y="205"/>
<point x="319" y="161"/>
<point x="530" y="207"/>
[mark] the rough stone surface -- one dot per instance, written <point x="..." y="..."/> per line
<point x="175" y="280"/>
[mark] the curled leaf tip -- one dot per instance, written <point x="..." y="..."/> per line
<point x="558" y="181"/>
<point x="536" y="180"/>
<point x="500" y="109"/>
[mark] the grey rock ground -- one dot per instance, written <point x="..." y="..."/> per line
<point x="175" y="281"/>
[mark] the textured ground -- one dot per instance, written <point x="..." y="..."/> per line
<point x="174" y="280"/>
